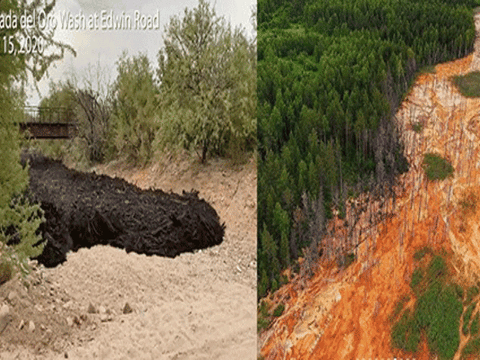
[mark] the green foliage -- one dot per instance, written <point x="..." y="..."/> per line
<point x="468" y="202"/>
<point x="279" y="310"/>
<point x="417" y="127"/>
<point x="134" y="108"/>
<point x="417" y="278"/>
<point x="208" y="83"/>
<point x="263" y="317"/>
<point x="472" y="348"/>
<point x="467" y="316"/>
<point x="406" y="333"/>
<point x="19" y="219"/>
<point x="87" y="102"/>
<point x="429" y="69"/>
<point x="475" y="324"/>
<point x="436" y="167"/>
<point x="401" y="303"/>
<point x="459" y="291"/>
<point x="437" y="269"/>
<point x="437" y="312"/>
<point x="421" y="253"/>
<point x="6" y="270"/>
<point x="468" y="84"/>
<point x="348" y="259"/>
<point x="471" y="293"/>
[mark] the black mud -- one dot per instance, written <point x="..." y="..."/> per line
<point x="85" y="209"/>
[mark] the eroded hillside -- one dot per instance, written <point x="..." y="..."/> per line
<point x="346" y="313"/>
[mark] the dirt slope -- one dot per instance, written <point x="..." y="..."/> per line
<point x="196" y="306"/>
<point x="344" y="314"/>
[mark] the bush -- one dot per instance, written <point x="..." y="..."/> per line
<point x="459" y="291"/>
<point x="134" y="108"/>
<point x="437" y="311"/>
<point x="401" y="303"/>
<point x="466" y="318"/>
<point x="18" y="231"/>
<point x="263" y="317"/>
<point x="442" y="334"/>
<point x="475" y="324"/>
<point x="471" y="293"/>
<point x="472" y="347"/>
<point x="468" y="84"/>
<point x="262" y="323"/>
<point x="6" y="271"/>
<point x="417" y="277"/>
<point x="209" y="87"/>
<point x="406" y="333"/>
<point x="417" y="127"/>
<point x="279" y="310"/>
<point x="436" y="167"/>
<point x="421" y="253"/>
<point x="437" y="269"/>
<point x="468" y="202"/>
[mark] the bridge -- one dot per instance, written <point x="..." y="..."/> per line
<point x="48" y="123"/>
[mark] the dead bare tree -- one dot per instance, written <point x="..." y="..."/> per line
<point x="94" y="120"/>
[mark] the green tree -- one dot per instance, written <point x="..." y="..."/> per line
<point x="19" y="219"/>
<point x="208" y="84"/>
<point x="134" y="107"/>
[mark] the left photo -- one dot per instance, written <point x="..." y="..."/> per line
<point x="128" y="179"/>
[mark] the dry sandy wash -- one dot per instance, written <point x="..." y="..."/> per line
<point x="344" y="314"/>
<point x="196" y="306"/>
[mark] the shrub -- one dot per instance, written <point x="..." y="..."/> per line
<point x="436" y="167"/>
<point x="468" y="202"/>
<point x="6" y="271"/>
<point x="263" y="318"/>
<point x="437" y="269"/>
<point x="417" y="127"/>
<point x="417" y="277"/>
<point x="18" y="231"/>
<point x="475" y="324"/>
<point x="421" y="253"/>
<point x="459" y="291"/>
<point x="437" y="311"/>
<point x="472" y="347"/>
<point x="134" y="108"/>
<point x="471" y="293"/>
<point x="466" y="318"/>
<point x="468" y="84"/>
<point x="406" y="333"/>
<point x="279" y="310"/>
<point x="262" y="323"/>
<point x="401" y="303"/>
<point x="443" y="335"/>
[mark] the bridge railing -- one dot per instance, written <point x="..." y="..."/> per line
<point x="41" y="114"/>
<point x="48" y="122"/>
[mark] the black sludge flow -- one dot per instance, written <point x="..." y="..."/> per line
<point x="86" y="209"/>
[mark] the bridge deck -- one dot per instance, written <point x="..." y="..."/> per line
<point x="49" y="130"/>
<point x="48" y="123"/>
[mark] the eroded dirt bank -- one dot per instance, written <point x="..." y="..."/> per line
<point x="344" y="314"/>
<point x="199" y="305"/>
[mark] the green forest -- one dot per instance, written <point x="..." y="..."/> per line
<point x="331" y="75"/>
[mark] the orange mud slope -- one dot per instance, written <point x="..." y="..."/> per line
<point x="344" y="314"/>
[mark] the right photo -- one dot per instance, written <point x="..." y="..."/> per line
<point x="368" y="179"/>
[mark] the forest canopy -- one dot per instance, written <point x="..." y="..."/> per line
<point x="331" y="75"/>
